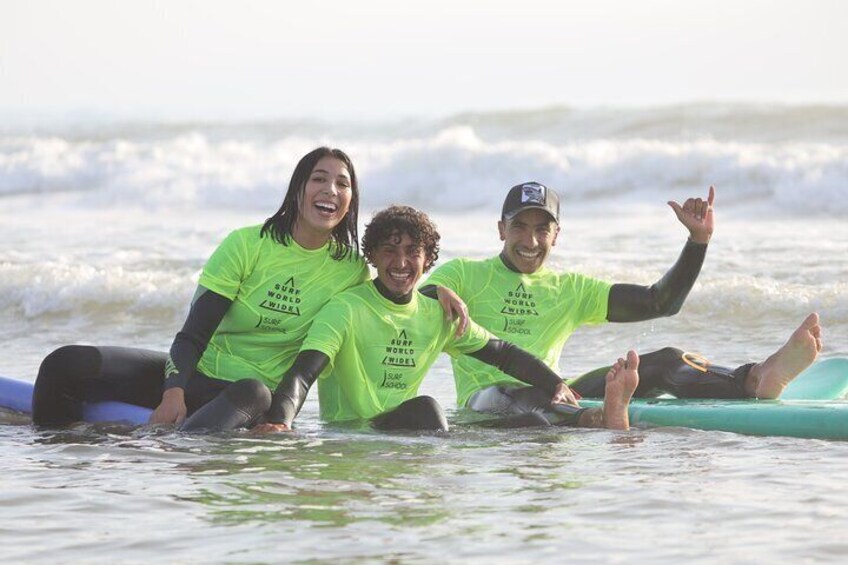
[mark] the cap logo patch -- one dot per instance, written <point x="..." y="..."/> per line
<point x="532" y="193"/>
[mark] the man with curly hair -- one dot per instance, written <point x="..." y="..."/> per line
<point x="380" y="338"/>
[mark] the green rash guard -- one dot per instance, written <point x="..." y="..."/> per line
<point x="537" y="312"/>
<point x="380" y="351"/>
<point x="276" y="291"/>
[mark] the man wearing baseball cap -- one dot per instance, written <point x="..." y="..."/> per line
<point x="517" y="298"/>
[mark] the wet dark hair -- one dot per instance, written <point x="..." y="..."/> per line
<point x="280" y="225"/>
<point x="390" y="225"/>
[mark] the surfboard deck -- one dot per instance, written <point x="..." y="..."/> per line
<point x="811" y="407"/>
<point x="825" y="380"/>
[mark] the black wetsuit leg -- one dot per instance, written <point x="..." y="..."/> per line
<point x="75" y="374"/>
<point x="419" y="413"/>
<point x="523" y="407"/>
<point x="217" y="405"/>
<point x="673" y="371"/>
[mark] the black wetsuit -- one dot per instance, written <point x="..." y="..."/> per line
<point x="669" y="370"/>
<point x="75" y="374"/>
<point x="422" y="412"/>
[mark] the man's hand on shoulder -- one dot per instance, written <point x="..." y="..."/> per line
<point x="454" y="307"/>
<point x="698" y="216"/>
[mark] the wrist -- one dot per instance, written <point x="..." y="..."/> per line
<point x="174" y="393"/>
<point x="276" y="414"/>
<point x="700" y="239"/>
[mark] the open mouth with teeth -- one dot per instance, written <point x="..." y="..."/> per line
<point x="527" y="254"/>
<point x="326" y="207"/>
<point x="399" y="276"/>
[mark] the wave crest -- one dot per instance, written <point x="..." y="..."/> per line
<point x="454" y="169"/>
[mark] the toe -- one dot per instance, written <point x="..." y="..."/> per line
<point x="632" y="360"/>
<point x="811" y="320"/>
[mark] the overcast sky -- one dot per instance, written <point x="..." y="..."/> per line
<point x="389" y="58"/>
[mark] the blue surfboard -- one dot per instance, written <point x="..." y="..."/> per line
<point x="16" y="395"/>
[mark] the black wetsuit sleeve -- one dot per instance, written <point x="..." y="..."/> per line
<point x="430" y="291"/>
<point x="207" y="311"/>
<point x="519" y="364"/>
<point x="293" y="388"/>
<point x="635" y="303"/>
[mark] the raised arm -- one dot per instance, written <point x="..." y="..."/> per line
<point x="525" y="367"/>
<point x="207" y="310"/>
<point x="635" y="303"/>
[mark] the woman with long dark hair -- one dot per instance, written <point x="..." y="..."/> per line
<point x="253" y="306"/>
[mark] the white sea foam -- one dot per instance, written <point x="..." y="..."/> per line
<point x="450" y="170"/>
<point x="49" y="288"/>
<point x="744" y="297"/>
<point x="457" y="170"/>
<point x="58" y="287"/>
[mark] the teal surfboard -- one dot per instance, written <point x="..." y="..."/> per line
<point x="814" y="405"/>
<point x="825" y="380"/>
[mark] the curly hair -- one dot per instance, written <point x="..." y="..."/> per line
<point x="390" y="225"/>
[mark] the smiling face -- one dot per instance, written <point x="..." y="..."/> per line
<point x="325" y="201"/>
<point x="528" y="238"/>
<point x="400" y="262"/>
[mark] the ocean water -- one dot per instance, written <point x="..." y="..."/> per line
<point x="105" y="227"/>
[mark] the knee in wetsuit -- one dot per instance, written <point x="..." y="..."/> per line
<point x="419" y="413"/>
<point x="522" y="407"/>
<point x="509" y="400"/>
<point x="666" y="355"/>
<point x="74" y="374"/>
<point x="239" y="405"/>
<point x="57" y="394"/>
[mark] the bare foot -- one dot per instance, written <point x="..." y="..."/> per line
<point x="622" y="379"/>
<point x="767" y="380"/>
